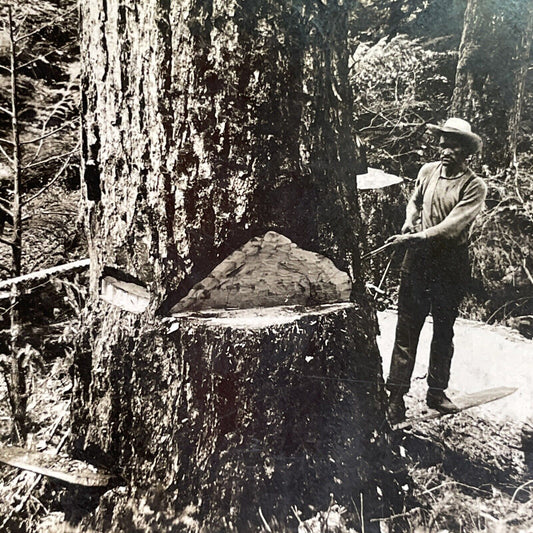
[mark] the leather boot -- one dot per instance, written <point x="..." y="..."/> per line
<point x="436" y="399"/>
<point x="396" y="408"/>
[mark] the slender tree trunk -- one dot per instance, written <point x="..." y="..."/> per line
<point x="207" y="124"/>
<point x="493" y="61"/>
<point x="17" y="384"/>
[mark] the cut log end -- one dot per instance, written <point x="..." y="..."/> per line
<point x="254" y="317"/>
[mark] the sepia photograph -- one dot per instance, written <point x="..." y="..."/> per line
<point x="266" y="266"/>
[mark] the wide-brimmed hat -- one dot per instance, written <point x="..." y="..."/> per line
<point x="460" y="128"/>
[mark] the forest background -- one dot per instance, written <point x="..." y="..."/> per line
<point x="404" y="68"/>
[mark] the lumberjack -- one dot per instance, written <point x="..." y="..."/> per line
<point x="435" y="271"/>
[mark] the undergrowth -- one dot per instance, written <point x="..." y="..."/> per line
<point x="467" y="475"/>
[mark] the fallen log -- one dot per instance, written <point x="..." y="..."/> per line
<point x="45" y="273"/>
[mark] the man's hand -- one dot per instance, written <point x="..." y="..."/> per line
<point x="408" y="228"/>
<point x="409" y="239"/>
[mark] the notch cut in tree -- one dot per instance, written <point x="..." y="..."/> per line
<point x="268" y="271"/>
<point x="210" y="125"/>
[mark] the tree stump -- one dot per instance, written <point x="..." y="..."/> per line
<point x="229" y="412"/>
<point x="225" y="412"/>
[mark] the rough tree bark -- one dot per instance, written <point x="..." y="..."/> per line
<point x="490" y="77"/>
<point x="206" y="124"/>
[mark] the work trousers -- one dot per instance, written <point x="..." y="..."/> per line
<point x="433" y="278"/>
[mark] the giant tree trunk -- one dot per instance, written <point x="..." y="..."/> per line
<point x="493" y="61"/>
<point x="206" y="124"/>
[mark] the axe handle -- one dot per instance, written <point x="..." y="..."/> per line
<point x="376" y="251"/>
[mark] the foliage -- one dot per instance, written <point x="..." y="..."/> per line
<point x="38" y="148"/>
<point x="400" y="85"/>
<point x="48" y="102"/>
<point x="430" y="19"/>
<point x="502" y="241"/>
<point x="503" y="237"/>
<point x="48" y="73"/>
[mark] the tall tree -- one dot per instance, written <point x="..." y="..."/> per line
<point x="493" y="61"/>
<point x="207" y="124"/>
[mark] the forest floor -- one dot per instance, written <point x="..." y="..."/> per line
<point x="468" y="470"/>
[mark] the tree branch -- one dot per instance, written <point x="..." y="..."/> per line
<point x="6" y="210"/>
<point x="521" y="487"/>
<point x="9" y="242"/>
<point x="46" y="213"/>
<point x="50" y="133"/>
<point x="45" y="123"/>
<point x="49" y="159"/>
<point x="41" y="28"/>
<point x="28" y="63"/>
<point x="526" y="270"/>
<point x="5" y="110"/>
<point x="5" y="154"/>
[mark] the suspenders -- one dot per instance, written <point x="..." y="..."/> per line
<point x="465" y="185"/>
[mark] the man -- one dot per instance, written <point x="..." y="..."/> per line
<point x="435" y="272"/>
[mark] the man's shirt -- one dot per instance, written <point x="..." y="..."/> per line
<point x="446" y="207"/>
